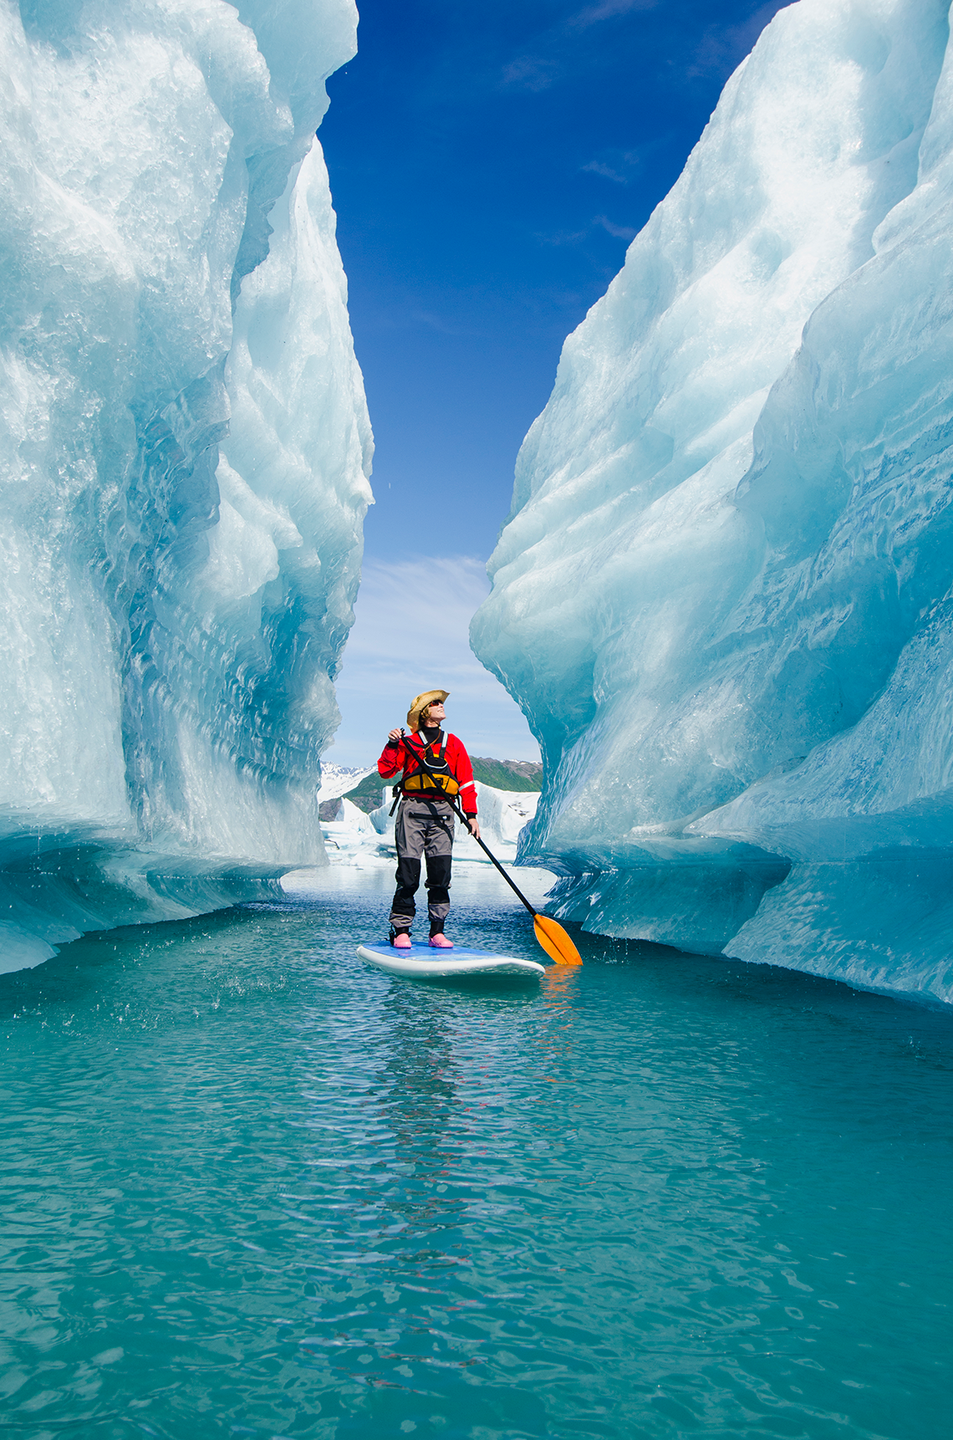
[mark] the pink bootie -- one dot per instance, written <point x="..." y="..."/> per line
<point x="402" y="942"/>
<point x="440" y="942"/>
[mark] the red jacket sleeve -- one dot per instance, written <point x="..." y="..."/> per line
<point x="392" y="760"/>
<point x="401" y="755"/>
<point x="459" y="762"/>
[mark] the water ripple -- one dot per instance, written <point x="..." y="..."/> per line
<point x="251" y="1187"/>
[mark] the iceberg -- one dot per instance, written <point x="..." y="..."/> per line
<point x="367" y="840"/>
<point x="184" y="451"/>
<point x="723" y="596"/>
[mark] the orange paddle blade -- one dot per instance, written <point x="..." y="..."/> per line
<point x="555" y="941"/>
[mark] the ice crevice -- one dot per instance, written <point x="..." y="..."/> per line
<point x="723" y="593"/>
<point x="184" y="455"/>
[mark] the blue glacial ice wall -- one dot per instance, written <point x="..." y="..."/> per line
<point x="184" y="452"/>
<point x="724" y="596"/>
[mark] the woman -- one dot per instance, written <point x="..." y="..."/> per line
<point x="425" y="819"/>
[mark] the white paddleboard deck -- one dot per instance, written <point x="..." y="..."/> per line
<point x="420" y="962"/>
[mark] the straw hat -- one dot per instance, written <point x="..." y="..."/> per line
<point x="420" y="703"/>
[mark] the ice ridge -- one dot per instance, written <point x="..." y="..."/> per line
<point x="724" y="594"/>
<point x="184" y="450"/>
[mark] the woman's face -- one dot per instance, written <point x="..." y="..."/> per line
<point x="434" y="714"/>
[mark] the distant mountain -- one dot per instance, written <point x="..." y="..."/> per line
<point x="366" y="795"/>
<point x="339" y="779"/>
<point x="507" y="774"/>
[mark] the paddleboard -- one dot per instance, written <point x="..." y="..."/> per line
<point x="422" y="963"/>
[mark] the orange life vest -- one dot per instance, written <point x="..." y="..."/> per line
<point x="441" y="782"/>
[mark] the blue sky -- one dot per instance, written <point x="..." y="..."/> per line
<point x="489" y="164"/>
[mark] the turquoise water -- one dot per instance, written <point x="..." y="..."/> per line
<point x="255" y="1188"/>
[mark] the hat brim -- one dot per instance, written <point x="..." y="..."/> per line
<point x="420" y="702"/>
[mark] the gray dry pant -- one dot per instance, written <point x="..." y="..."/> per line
<point x="424" y="827"/>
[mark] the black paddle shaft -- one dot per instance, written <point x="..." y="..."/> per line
<point x="485" y="848"/>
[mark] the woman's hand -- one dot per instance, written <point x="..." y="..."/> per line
<point x="395" y="734"/>
<point x="474" y="826"/>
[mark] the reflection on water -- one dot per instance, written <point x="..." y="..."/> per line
<point x="253" y="1187"/>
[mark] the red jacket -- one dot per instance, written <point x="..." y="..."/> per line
<point x="400" y="755"/>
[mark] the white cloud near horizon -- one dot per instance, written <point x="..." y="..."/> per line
<point x="412" y="634"/>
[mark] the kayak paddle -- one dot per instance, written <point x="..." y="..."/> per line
<point x="549" y="933"/>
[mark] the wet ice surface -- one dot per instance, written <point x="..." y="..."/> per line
<point x="722" y="597"/>
<point x="184" y="448"/>
<point x="252" y="1186"/>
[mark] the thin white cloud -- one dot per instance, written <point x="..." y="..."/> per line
<point x="411" y="634"/>
<point x="563" y="237"/>
<point x="624" y="166"/>
<point x="530" y="72"/>
<point x="575" y="237"/>
<point x="621" y="232"/>
<point x="596" y="167"/>
<point x="607" y="10"/>
<point x="537" y="70"/>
